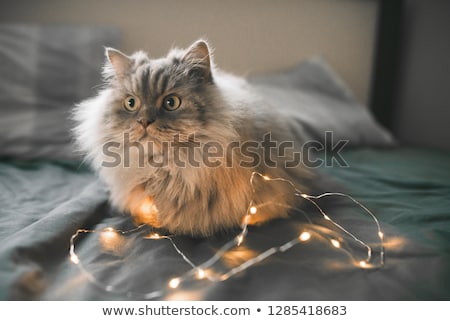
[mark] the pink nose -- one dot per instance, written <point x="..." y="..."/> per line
<point x="144" y="122"/>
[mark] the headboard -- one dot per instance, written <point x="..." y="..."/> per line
<point x="250" y="37"/>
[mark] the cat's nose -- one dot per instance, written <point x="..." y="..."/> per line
<point x="144" y="121"/>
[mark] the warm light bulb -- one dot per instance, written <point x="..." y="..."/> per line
<point x="381" y="235"/>
<point x="253" y="210"/>
<point x="174" y="283"/>
<point x="240" y="239"/>
<point x="363" y="264"/>
<point x="146" y="207"/>
<point x="154" y="236"/>
<point x="266" y="177"/>
<point x="109" y="234"/>
<point x="74" y="258"/>
<point x="110" y="240"/>
<point x="200" y="274"/>
<point x="305" y="236"/>
<point x="335" y="243"/>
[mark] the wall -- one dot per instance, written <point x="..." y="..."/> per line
<point x="423" y="112"/>
<point x="250" y="36"/>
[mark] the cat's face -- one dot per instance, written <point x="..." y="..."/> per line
<point x="157" y="99"/>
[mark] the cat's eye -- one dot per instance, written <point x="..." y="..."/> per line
<point x="171" y="102"/>
<point x="131" y="103"/>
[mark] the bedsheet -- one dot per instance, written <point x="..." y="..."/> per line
<point x="42" y="204"/>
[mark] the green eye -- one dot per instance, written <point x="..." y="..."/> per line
<point x="171" y="102"/>
<point x="131" y="103"/>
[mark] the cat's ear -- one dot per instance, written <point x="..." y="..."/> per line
<point x="118" y="60"/>
<point x="199" y="56"/>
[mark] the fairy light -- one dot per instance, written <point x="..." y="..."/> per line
<point x="146" y="207"/>
<point x="74" y="258"/>
<point x="108" y="236"/>
<point x="240" y="239"/>
<point x="199" y="272"/>
<point x="304" y="236"/>
<point x="174" y="283"/>
<point x="335" y="243"/>
<point x="154" y="236"/>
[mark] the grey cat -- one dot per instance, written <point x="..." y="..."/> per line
<point x="176" y="141"/>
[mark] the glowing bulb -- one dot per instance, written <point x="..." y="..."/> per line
<point x="304" y="195"/>
<point x="174" y="283"/>
<point x="266" y="177"/>
<point x="363" y="264"/>
<point x="109" y="234"/>
<point x="240" y="239"/>
<point x="305" y="236"/>
<point x="146" y="207"/>
<point x="154" y="236"/>
<point x="74" y="258"/>
<point x="253" y="210"/>
<point x="335" y="243"/>
<point x="200" y="274"/>
<point x="110" y="240"/>
<point x="326" y="217"/>
<point x="381" y="235"/>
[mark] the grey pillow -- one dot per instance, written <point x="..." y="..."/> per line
<point x="44" y="70"/>
<point x="312" y="99"/>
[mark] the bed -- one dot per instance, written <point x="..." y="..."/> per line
<point x="48" y="195"/>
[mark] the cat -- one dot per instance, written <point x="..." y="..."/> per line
<point x="183" y="113"/>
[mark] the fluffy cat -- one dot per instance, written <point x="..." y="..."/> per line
<point x="175" y="112"/>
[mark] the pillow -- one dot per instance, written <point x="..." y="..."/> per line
<point x="312" y="99"/>
<point x="44" y="70"/>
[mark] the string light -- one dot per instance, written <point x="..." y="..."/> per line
<point x="335" y="243"/>
<point x="74" y="258"/>
<point x="199" y="272"/>
<point x="174" y="283"/>
<point x="363" y="264"/>
<point x="305" y="236"/>
<point x="153" y="236"/>
<point x="239" y="239"/>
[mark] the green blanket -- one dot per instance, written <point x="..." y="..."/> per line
<point x="42" y="204"/>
